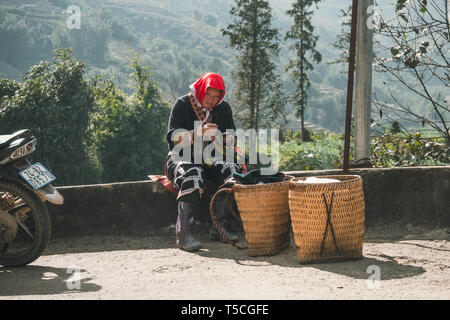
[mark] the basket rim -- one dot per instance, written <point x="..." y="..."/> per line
<point x="351" y="181"/>
<point x="353" y="178"/>
<point x="269" y="185"/>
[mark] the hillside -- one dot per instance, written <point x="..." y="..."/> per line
<point x="175" y="41"/>
<point x="179" y="40"/>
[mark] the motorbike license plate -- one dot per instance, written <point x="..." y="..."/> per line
<point x="37" y="175"/>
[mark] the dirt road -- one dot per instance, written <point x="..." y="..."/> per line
<point x="413" y="264"/>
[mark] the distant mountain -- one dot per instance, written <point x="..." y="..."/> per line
<point x="166" y="32"/>
<point x="178" y="39"/>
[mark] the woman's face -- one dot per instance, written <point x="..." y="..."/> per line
<point x="211" y="97"/>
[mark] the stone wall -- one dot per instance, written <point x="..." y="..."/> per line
<point x="415" y="195"/>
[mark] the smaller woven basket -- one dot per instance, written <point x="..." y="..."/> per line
<point x="327" y="218"/>
<point x="264" y="212"/>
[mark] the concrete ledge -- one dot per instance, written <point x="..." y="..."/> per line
<point x="130" y="208"/>
<point x="415" y="195"/>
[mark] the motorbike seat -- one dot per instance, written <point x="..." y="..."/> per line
<point x="8" y="138"/>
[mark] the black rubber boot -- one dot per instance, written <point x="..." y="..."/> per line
<point x="222" y="215"/>
<point x="185" y="220"/>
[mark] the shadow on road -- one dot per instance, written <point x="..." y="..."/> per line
<point x="358" y="269"/>
<point x="365" y="268"/>
<point x="43" y="280"/>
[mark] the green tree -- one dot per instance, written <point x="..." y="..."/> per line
<point x="302" y="33"/>
<point x="342" y="44"/>
<point x="8" y="88"/>
<point x="250" y="33"/>
<point x="54" y="101"/>
<point x="130" y="131"/>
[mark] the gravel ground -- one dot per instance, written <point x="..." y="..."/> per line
<point x="412" y="263"/>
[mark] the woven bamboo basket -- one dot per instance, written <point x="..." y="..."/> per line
<point x="264" y="212"/>
<point x="327" y="218"/>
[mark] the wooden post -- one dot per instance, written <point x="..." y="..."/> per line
<point x="351" y="73"/>
<point x="363" y="86"/>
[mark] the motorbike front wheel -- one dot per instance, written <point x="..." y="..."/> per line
<point x="33" y="224"/>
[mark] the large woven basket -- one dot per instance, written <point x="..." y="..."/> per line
<point x="327" y="218"/>
<point x="264" y="212"/>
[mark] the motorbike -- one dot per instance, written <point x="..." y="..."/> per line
<point x="25" y="188"/>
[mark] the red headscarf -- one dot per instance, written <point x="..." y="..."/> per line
<point x="208" y="80"/>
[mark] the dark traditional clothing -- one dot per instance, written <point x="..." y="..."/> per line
<point x="183" y="116"/>
<point x="187" y="176"/>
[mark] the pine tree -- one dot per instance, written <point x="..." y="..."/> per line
<point x="250" y="33"/>
<point x="342" y="44"/>
<point x="302" y="33"/>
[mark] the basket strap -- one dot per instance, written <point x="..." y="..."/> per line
<point x="228" y="191"/>
<point x="231" y="207"/>
<point x="230" y="200"/>
<point x="200" y="117"/>
<point x="328" y="223"/>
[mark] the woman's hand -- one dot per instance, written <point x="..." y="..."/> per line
<point x="211" y="130"/>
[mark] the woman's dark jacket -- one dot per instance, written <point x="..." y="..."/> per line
<point x="183" y="116"/>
